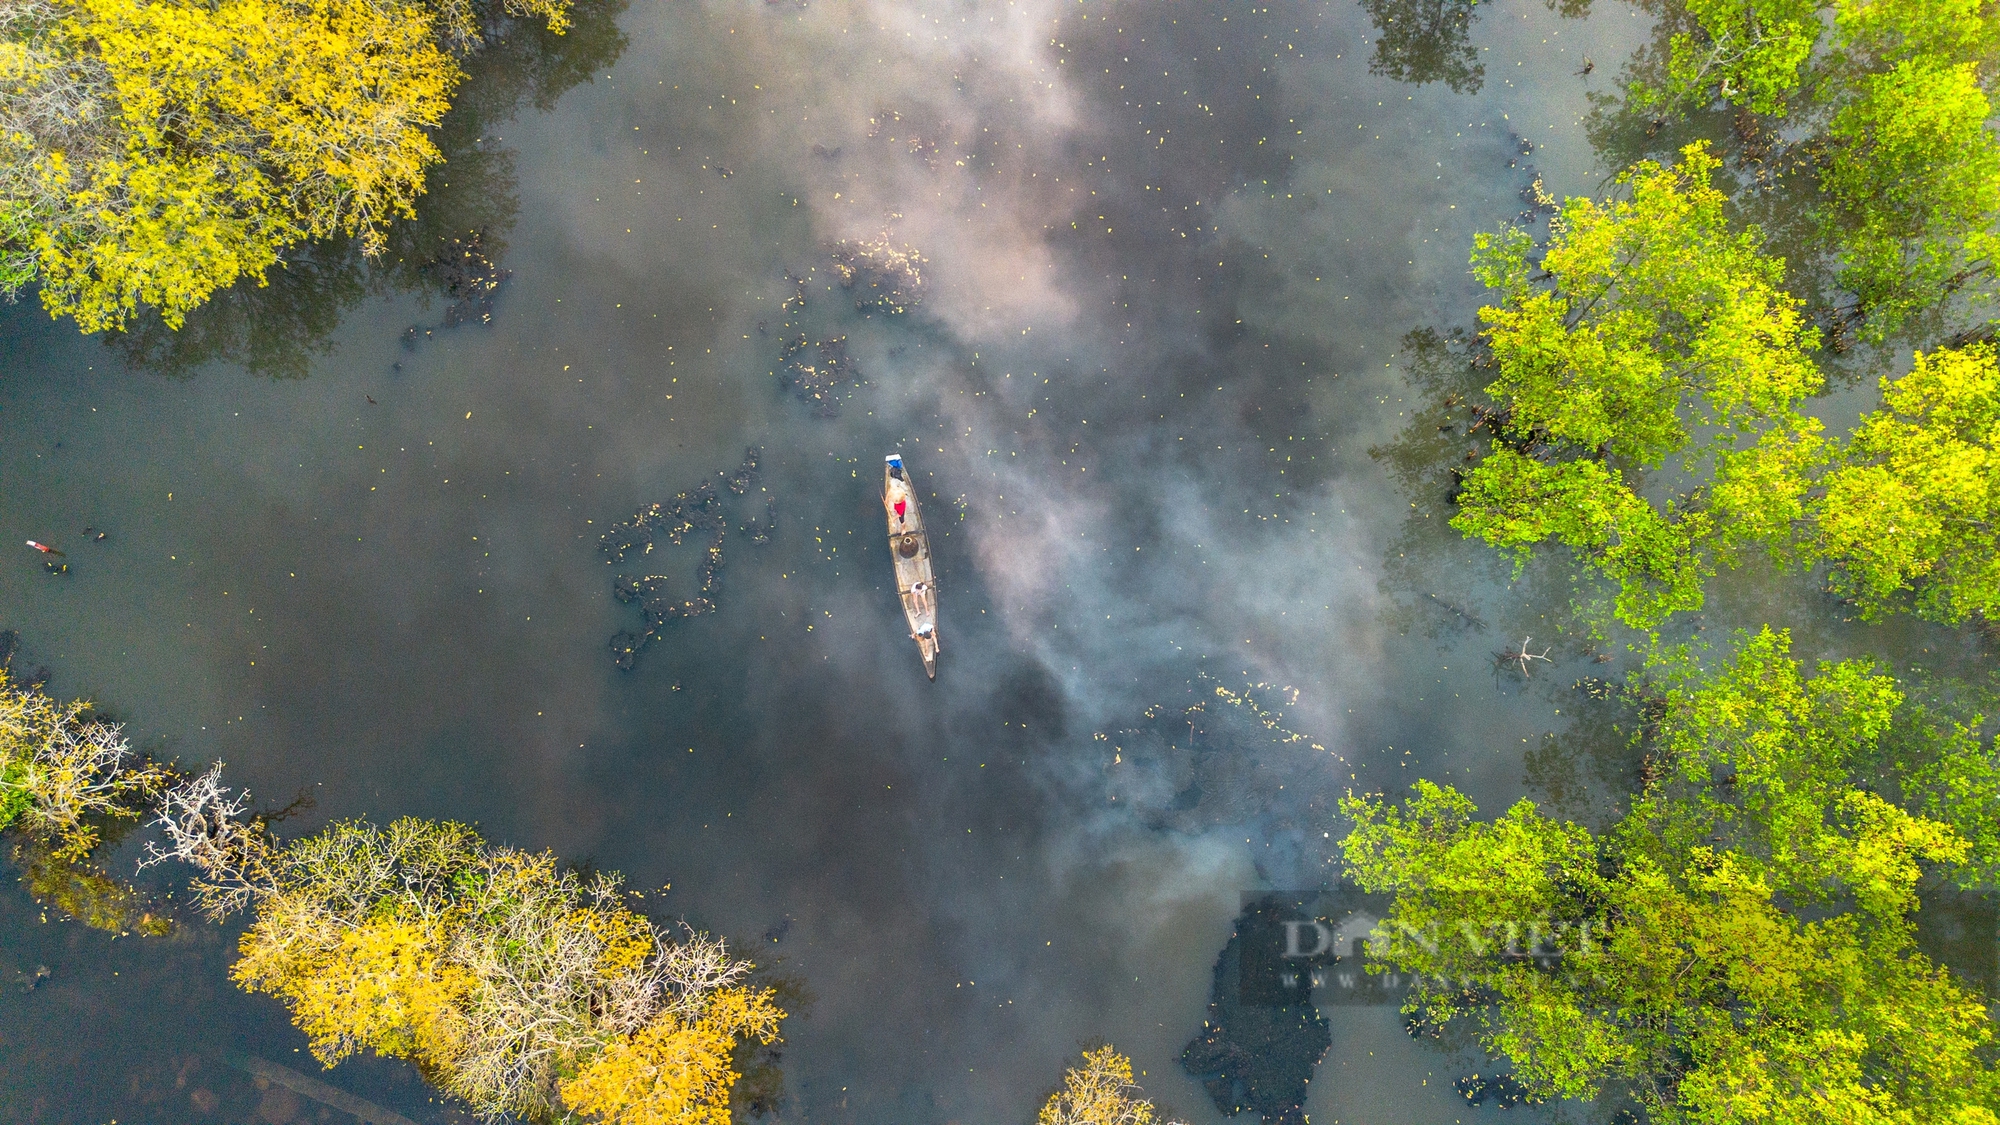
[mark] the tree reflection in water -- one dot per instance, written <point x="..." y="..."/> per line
<point x="1424" y="41"/>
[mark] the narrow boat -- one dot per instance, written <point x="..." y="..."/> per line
<point x="910" y="547"/>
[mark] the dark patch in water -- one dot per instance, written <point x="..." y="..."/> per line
<point x="699" y="509"/>
<point x="1257" y="1056"/>
<point x="1030" y="698"/>
<point x="469" y="276"/>
<point x="817" y="377"/>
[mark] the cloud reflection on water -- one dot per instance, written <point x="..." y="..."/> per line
<point x="1166" y="278"/>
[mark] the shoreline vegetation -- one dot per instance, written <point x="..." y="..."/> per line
<point x="513" y="984"/>
<point x="70" y="784"/>
<point x="1740" y="945"/>
<point x="153" y="152"/>
<point x="1735" y="939"/>
<point x="1650" y="338"/>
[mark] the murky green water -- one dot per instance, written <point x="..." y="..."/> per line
<point x="1171" y="252"/>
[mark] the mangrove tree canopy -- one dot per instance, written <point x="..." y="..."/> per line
<point x="1740" y="947"/>
<point x="1651" y="335"/>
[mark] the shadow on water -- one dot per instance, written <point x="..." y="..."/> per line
<point x="1961" y="930"/>
<point x="1257" y="1052"/>
<point x="1424" y="41"/>
<point x="1588" y="771"/>
<point x="760" y="1092"/>
<point x="449" y="252"/>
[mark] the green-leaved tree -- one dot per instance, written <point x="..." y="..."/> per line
<point x="1652" y="336"/>
<point x="1911" y="516"/>
<point x="1740" y="948"/>
<point x="1747" y="54"/>
<point x="1887" y="101"/>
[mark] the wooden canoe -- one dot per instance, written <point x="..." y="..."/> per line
<point x="910" y="547"/>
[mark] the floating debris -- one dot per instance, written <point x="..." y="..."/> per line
<point x="880" y="274"/>
<point x="697" y="510"/>
<point x="1216" y="755"/>
<point x="758" y="531"/>
<point x="927" y="150"/>
<point x="1521" y="655"/>
<point x="816" y="373"/>
<point x="1503" y="1090"/>
<point x="924" y="148"/>
<point x="470" y="278"/>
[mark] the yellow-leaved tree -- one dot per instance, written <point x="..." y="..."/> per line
<point x="677" y="1070"/>
<point x="384" y="984"/>
<point x="512" y="983"/>
<point x="154" y="151"/>
<point x="1099" y="1092"/>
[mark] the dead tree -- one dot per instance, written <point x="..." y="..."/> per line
<point x="1520" y="655"/>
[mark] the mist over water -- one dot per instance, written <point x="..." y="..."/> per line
<point x="1170" y="254"/>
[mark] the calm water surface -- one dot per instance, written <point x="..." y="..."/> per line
<point x="1170" y="251"/>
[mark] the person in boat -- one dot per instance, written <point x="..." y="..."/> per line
<point x="919" y="593"/>
<point x="902" y="506"/>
